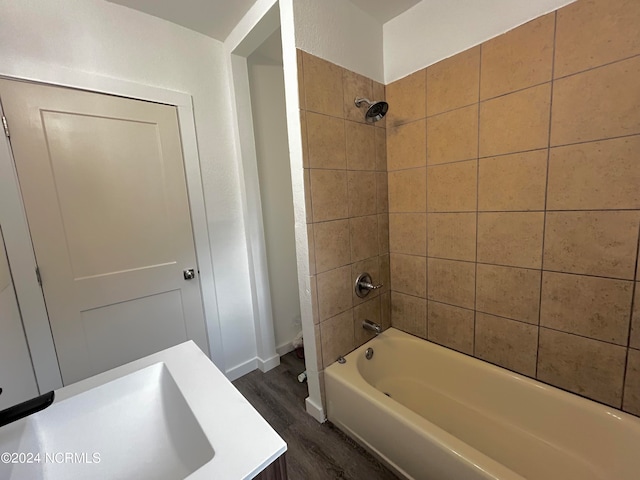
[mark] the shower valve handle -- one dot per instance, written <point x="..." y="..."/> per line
<point x="369" y="286"/>
<point x="364" y="285"/>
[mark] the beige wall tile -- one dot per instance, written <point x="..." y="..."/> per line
<point x="516" y="122"/>
<point x="452" y="236"/>
<point x="452" y="187"/>
<point x="363" y="197"/>
<point x="592" y="243"/>
<point x="511" y="238"/>
<point x="385" y="310"/>
<point x="409" y="274"/>
<point x="383" y="233"/>
<point x="322" y="86"/>
<point x="508" y="292"/>
<point x="312" y="248"/>
<point x="453" y="82"/>
<point x="332" y="245"/>
<point x="334" y="292"/>
<point x="305" y="139"/>
<point x="514" y="182"/>
<point x="406" y="99"/>
<point x="519" y="58"/>
<point x="595" y="32"/>
<point x="379" y="94"/>
<point x="451" y="326"/>
<point x="634" y="340"/>
<point x="453" y="136"/>
<point x="361" y="146"/>
<point x="407" y="145"/>
<point x="381" y="149"/>
<point x="355" y="86"/>
<point x="301" y="94"/>
<point x="329" y="194"/>
<point x="326" y="139"/>
<point x="451" y="282"/>
<point x="597" y="104"/>
<point x="408" y="190"/>
<point x="370" y="266"/>
<point x="589" y="306"/>
<point x="588" y="367"/>
<point x="631" y="401"/>
<point x="507" y="343"/>
<point x="382" y="192"/>
<point x="408" y="233"/>
<point x="369" y="310"/>
<point x="595" y="176"/>
<point x="385" y="273"/>
<point x="337" y="337"/>
<point x="307" y="195"/>
<point x="409" y="314"/>
<point x="364" y="237"/>
<point x="314" y="299"/>
<point x="318" y="342"/>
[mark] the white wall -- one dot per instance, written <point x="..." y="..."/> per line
<point x="433" y="30"/>
<point x="99" y="37"/>
<point x="341" y="33"/>
<point x="266" y="80"/>
<point x="17" y="379"/>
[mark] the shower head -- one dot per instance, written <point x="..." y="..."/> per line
<point x="375" y="110"/>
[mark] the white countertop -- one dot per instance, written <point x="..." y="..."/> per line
<point x="243" y="442"/>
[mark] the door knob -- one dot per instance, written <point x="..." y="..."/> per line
<point x="189" y="274"/>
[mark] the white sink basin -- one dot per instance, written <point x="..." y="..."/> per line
<point x="169" y="416"/>
<point x="138" y="426"/>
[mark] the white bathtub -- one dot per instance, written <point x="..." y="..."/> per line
<point x="453" y="417"/>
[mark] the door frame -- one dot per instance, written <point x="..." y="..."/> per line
<point x="18" y="239"/>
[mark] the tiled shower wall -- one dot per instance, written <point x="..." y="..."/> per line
<point x="514" y="200"/>
<point x="346" y="192"/>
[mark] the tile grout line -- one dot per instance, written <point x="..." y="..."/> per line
<point x="633" y="298"/>
<point x="595" y="67"/>
<point x="426" y="208"/>
<point x="475" y="280"/>
<point x="546" y="190"/>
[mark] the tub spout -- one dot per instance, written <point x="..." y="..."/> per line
<point x="372" y="326"/>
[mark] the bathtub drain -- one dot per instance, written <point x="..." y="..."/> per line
<point x="387" y="394"/>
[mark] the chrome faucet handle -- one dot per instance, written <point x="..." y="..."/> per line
<point x="369" y="286"/>
<point x="364" y="285"/>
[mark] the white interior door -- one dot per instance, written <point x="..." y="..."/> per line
<point x="103" y="184"/>
<point x="17" y="380"/>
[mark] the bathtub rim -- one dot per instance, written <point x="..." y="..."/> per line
<point x="349" y="376"/>
<point x="447" y="443"/>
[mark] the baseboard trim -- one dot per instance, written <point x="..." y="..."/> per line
<point x="240" y="370"/>
<point x="314" y="410"/>
<point x="285" y="348"/>
<point x="270" y="363"/>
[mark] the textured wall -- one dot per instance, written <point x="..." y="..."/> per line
<point x="114" y="41"/>
<point x="346" y="189"/>
<point x="341" y="33"/>
<point x="514" y="201"/>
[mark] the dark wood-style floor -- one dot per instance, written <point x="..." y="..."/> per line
<point x="315" y="451"/>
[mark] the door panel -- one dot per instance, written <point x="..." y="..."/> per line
<point x="17" y="379"/>
<point x="103" y="184"/>
<point x="104" y="234"/>
<point x="122" y="332"/>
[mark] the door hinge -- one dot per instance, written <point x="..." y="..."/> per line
<point x="38" y="276"/>
<point x="5" y="125"/>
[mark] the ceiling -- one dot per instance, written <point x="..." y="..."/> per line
<point x="384" y="10"/>
<point x="217" y="18"/>
<point x="214" y="18"/>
